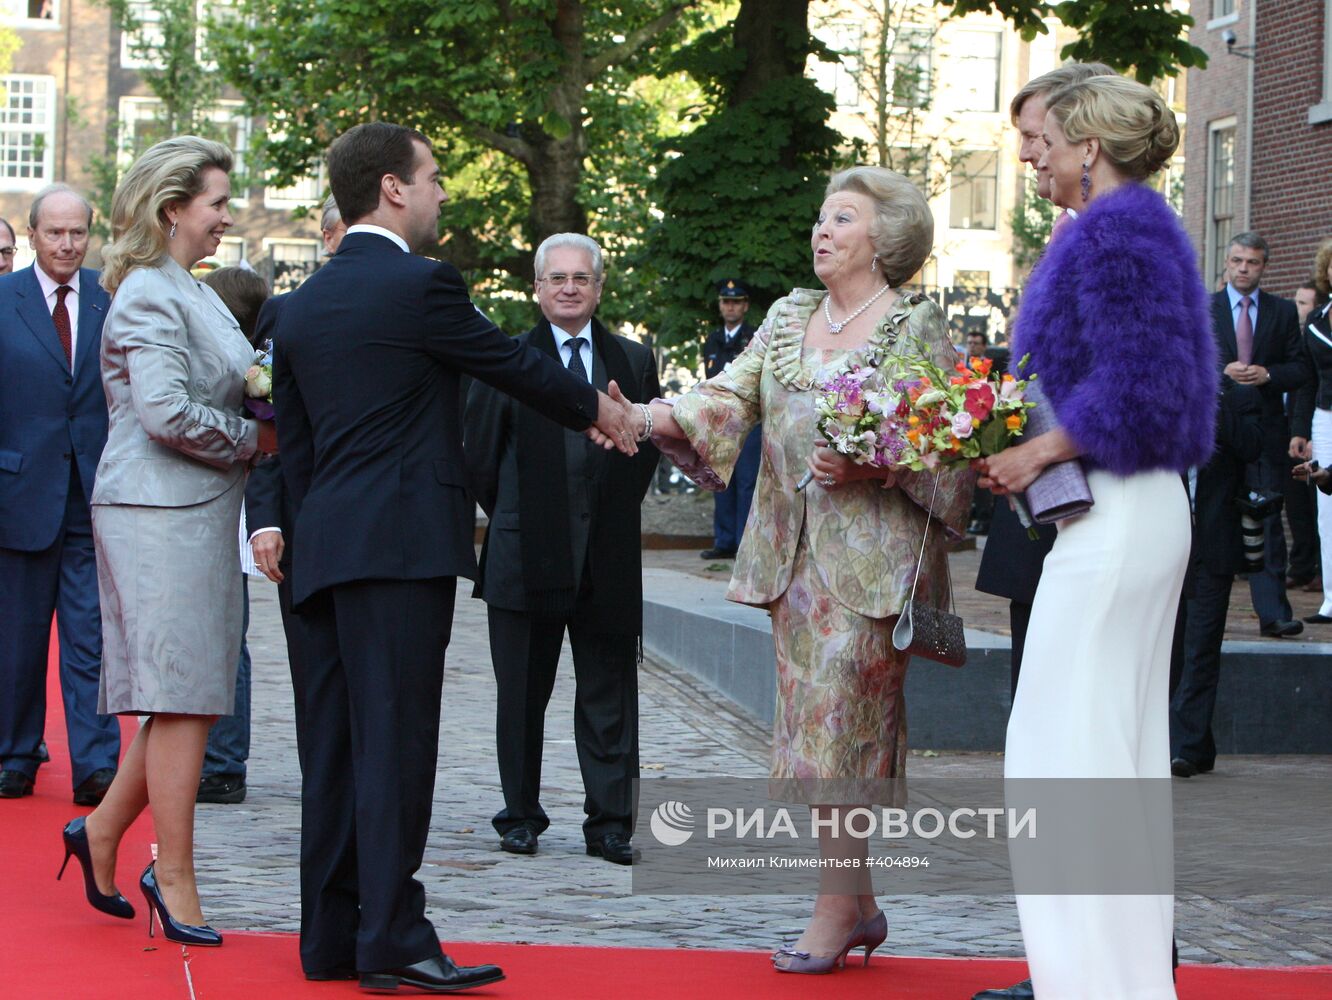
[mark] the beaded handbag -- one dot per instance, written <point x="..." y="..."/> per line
<point x="923" y="630"/>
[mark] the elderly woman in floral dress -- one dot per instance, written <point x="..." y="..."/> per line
<point x="833" y="563"/>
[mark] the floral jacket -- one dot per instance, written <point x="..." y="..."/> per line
<point x="863" y="540"/>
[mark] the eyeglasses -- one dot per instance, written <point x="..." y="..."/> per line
<point x="580" y="279"/>
<point x="8" y="251"/>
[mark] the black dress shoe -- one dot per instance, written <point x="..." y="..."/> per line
<point x="614" y="847"/>
<point x="221" y="789"/>
<point x="519" y="840"/>
<point x="1318" y="619"/>
<point x="93" y="788"/>
<point x="1018" y="991"/>
<point x="1282" y="629"/>
<point x="1182" y="768"/>
<point x="717" y="554"/>
<point x="14" y="785"/>
<point x="335" y="974"/>
<point x="435" y="975"/>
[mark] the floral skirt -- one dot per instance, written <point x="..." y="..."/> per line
<point x="840" y="729"/>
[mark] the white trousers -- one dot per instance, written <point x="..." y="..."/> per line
<point x="1093" y="702"/>
<point x="1322" y="453"/>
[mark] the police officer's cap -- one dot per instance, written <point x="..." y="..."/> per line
<point x="731" y="289"/>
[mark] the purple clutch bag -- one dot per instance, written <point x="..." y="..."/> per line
<point x="1060" y="491"/>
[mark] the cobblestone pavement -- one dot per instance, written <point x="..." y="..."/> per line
<point x="247" y="854"/>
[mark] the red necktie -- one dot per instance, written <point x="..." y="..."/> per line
<point x="1244" y="333"/>
<point x="60" y="315"/>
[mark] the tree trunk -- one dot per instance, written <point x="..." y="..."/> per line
<point x="774" y="35"/>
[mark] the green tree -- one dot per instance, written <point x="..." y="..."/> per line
<point x="1032" y="221"/>
<point x="1149" y="37"/>
<point x="538" y="110"/>
<point x="738" y="193"/>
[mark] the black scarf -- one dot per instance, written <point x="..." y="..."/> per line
<point x="543" y="493"/>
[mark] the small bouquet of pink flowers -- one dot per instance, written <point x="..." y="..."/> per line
<point x="924" y="416"/>
<point x="259" y="385"/>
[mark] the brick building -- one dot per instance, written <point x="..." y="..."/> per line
<point x="1260" y="122"/>
<point x="74" y="95"/>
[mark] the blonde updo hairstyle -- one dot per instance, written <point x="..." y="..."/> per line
<point x="165" y="174"/>
<point x="902" y="231"/>
<point x="1136" y="128"/>
<point x="1321" y="261"/>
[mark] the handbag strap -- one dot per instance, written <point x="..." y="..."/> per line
<point x="924" y="537"/>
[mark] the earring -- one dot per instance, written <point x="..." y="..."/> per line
<point x="874" y="264"/>
<point x="1086" y="182"/>
<point x="172" y="234"/>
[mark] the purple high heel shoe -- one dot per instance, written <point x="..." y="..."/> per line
<point x="876" y="932"/>
<point x="788" y="959"/>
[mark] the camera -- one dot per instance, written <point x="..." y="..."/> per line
<point x="1256" y="507"/>
<point x="1229" y="38"/>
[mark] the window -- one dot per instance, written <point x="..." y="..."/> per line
<point x="1220" y="195"/>
<point x="143" y="122"/>
<point x="293" y="250"/>
<point x="231" y="251"/>
<point x="137" y="47"/>
<point x="910" y="64"/>
<point x="840" y="78"/>
<point x="1222" y="8"/>
<point x="1322" y="112"/>
<point x="27" y="132"/>
<point x="976" y="81"/>
<point x="306" y="191"/>
<point x="912" y="162"/>
<point x="34" y="13"/>
<point x="974" y="186"/>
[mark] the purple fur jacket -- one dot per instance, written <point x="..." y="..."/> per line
<point x="1116" y="321"/>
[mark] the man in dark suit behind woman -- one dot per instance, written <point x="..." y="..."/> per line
<point x="368" y="359"/>
<point x="1258" y="336"/>
<point x="563" y="551"/>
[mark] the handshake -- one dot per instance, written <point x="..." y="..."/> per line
<point x="620" y="423"/>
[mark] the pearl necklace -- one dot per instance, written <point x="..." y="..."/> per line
<point x="836" y="328"/>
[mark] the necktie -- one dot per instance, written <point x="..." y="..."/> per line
<point x="576" y="358"/>
<point x="1244" y="333"/>
<point x="60" y="316"/>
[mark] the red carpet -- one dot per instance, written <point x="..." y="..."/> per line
<point x="53" y="947"/>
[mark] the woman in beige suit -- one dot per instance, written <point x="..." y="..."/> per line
<point x="833" y="563"/>
<point x="165" y="508"/>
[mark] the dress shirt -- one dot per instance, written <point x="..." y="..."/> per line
<point x="731" y="331"/>
<point x="562" y="337"/>
<point x="49" y="286"/>
<point x="388" y="234"/>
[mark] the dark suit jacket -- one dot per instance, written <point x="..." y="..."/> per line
<point x="266" y="503"/>
<point x="367" y="359"/>
<point x="1317" y="389"/>
<point x="490" y="443"/>
<point x="1276" y="346"/>
<point x="48" y="415"/>
<point x="717" y="353"/>
<point x="1217" y="544"/>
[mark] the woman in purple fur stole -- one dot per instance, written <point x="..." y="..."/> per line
<point x="1116" y="323"/>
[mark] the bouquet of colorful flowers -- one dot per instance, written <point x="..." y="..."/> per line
<point x="925" y="416"/>
<point x="259" y="385"/>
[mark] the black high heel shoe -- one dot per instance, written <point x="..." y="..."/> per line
<point x="76" y="846"/>
<point x="172" y="929"/>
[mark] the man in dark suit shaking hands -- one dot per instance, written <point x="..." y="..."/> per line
<point x="368" y="359"/>
<point x="563" y="551"/>
<point x="1258" y="337"/>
